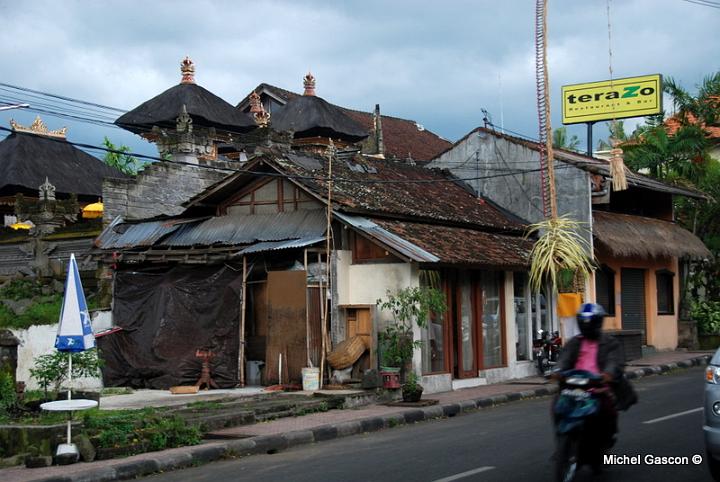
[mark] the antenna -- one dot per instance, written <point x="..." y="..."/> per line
<point x="487" y="118"/>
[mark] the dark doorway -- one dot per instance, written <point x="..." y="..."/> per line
<point x="633" y="301"/>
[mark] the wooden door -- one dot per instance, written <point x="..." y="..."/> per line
<point x="359" y="323"/>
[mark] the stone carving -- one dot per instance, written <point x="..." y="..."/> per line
<point x="309" y="84"/>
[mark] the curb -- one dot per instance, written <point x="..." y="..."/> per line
<point x="269" y="444"/>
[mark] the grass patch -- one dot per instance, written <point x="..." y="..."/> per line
<point x="116" y="391"/>
<point x="46" y="311"/>
<point x="205" y="405"/>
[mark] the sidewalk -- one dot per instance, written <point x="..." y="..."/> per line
<point x="288" y="432"/>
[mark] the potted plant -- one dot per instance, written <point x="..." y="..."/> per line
<point x="408" y="306"/>
<point x="411" y="389"/>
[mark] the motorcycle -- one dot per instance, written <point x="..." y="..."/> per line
<point x="581" y="436"/>
<point x="546" y="349"/>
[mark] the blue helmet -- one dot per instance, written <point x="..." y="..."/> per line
<point x="590" y="319"/>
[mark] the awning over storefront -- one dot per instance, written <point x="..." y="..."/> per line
<point x="626" y="235"/>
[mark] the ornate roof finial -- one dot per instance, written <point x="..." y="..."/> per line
<point x="187" y="68"/>
<point x="262" y="118"/>
<point x="47" y="191"/>
<point x="255" y="104"/>
<point x="309" y="83"/>
<point x="38" y="127"/>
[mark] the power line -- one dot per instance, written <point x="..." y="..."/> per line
<point x="69" y="99"/>
<point x="704" y="3"/>
<point x="279" y="175"/>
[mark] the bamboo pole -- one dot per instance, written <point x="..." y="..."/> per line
<point x="243" y="305"/>
<point x="328" y="233"/>
<point x="307" y="311"/>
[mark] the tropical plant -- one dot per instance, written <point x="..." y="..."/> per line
<point x="560" y="248"/>
<point x="562" y="141"/>
<point x="407" y="305"/>
<point x="8" y="395"/>
<point x="118" y="158"/>
<point x="51" y="370"/>
<point x="707" y="316"/>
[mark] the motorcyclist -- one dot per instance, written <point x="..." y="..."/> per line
<point x="599" y="353"/>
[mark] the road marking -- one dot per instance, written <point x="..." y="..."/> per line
<point x="462" y="475"/>
<point x="679" y="414"/>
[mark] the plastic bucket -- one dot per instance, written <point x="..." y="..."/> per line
<point x="310" y="379"/>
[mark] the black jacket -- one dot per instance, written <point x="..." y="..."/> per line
<point x="610" y="357"/>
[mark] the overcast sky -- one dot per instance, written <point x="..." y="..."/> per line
<point x="438" y="63"/>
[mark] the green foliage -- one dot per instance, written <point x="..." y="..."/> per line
<point x="51" y="370"/>
<point x="407" y="305"/>
<point x="45" y="311"/>
<point x="148" y="427"/>
<point x="22" y="288"/>
<point x="121" y="161"/>
<point x="562" y="141"/>
<point x="707" y="316"/>
<point x="8" y="395"/>
<point x="411" y="383"/>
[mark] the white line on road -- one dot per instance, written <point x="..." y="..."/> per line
<point x="679" y="414"/>
<point x="462" y="475"/>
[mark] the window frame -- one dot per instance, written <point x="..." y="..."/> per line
<point x="668" y="282"/>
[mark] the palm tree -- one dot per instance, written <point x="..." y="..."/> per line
<point x="561" y="140"/>
<point x="704" y="108"/>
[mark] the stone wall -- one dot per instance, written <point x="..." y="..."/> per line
<point x="159" y="189"/>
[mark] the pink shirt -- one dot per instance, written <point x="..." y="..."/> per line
<point x="587" y="358"/>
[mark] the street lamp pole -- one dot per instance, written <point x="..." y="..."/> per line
<point x="14" y="106"/>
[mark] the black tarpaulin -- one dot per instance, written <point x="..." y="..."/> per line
<point x="166" y="316"/>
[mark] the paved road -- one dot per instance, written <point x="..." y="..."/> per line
<point x="506" y="443"/>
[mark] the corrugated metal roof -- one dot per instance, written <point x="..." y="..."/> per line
<point x="276" y="245"/>
<point x="126" y="235"/>
<point x="402" y="246"/>
<point x="224" y="230"/>
<point x="250" y="228"/>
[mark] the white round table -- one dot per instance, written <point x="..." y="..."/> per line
<point x="68" y="406"/>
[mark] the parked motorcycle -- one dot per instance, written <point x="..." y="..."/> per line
<point x="581" y="438"/>
<point x="546" y="349"/>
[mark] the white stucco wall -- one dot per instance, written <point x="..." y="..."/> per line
<point x="40" y="340"/>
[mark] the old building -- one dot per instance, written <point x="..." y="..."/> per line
<point x="637" y="246"/>
<point x="46" y="180"/>
<point x="255" y="270"/>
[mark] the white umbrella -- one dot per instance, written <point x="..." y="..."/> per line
<point x="74" y="335"/>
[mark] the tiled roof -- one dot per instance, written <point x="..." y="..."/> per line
<point x="365" y="185"/>
<point x="402" y="137"/>
<point x="673" y="124"/>
<point x="454" y="245"/>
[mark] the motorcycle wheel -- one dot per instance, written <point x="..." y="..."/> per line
<point x="566" y="458"/>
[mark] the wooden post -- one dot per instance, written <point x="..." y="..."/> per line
<point x="307" y="312"/>
<point x="243" y="305"/>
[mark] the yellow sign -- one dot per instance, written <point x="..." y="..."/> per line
<point x="612" y="99"/>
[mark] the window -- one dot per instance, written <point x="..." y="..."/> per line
<point x="433" y="335"/>
<point x="665" y="299"/>
<point x="605" y="289"/>
<point x="365" y="250"/>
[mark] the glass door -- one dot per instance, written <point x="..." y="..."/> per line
<point x="465" y="332"/>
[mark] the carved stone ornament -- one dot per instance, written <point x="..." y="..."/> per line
<point x="47" y="191"/>
<point x="38" y="127"/>
<point x="184" y="121"/>
<point x="261" y="116"/>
